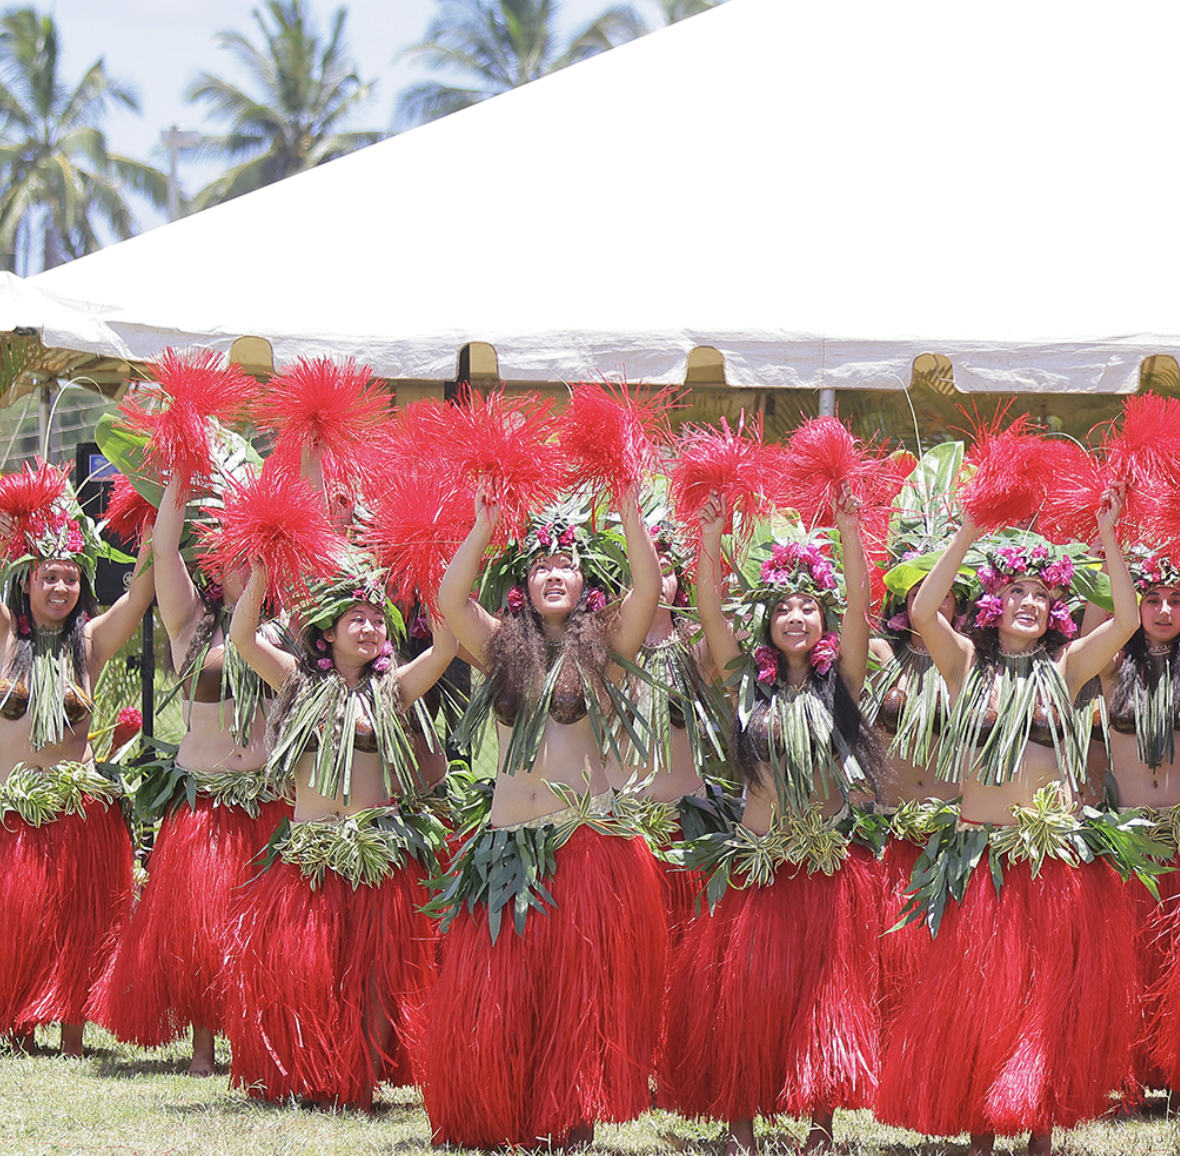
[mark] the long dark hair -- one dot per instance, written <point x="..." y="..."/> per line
<point x="1137" y="669"/>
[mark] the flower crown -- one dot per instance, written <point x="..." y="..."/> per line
<point x="797" y="568"/>
<point x="359" y="581"/>
<point x="1149" y="570"/>
<point x="1008" y="564"/>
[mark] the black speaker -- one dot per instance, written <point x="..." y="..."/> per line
<point x="95" y="479"/>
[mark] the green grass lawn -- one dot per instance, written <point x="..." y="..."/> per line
<point x="123" y="1100"/>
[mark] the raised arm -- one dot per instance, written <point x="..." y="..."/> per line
<point x="273" y="664"/>
<point x="952" y="652"/>
<point x="111" y="629"/>
<point x="471" y="624"/>
<point x="1088" y="656"/>
<point x="719" y="636"/>
<point x="415" y="678"/>
<point x="179" y="602"/>
<point x="639" y="605"/>
<point x="854" y="630"/>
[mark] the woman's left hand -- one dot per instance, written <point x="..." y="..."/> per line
<point x="1110" y="506"/>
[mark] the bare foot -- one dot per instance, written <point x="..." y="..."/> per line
<point x="71" y="1040"/>
<point x="982" y="1143"/>
<point x="819" y="1139"/>
<point x="24" y="1041"/>
<point x="203" y="1063"/>
<point x="1041" y="1144"/>
<point x="741" y="1140"/>
<point x="580" y="1137"/>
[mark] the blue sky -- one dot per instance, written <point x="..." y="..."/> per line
<point x="159" y="46"/>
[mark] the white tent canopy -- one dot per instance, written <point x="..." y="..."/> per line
<point x="822" y="192"/>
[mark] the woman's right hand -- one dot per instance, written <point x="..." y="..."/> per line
<point x="487" y="510"/>
<point x="712" y="517"/>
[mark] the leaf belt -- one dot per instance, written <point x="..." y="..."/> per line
<point x="1048" y="829"/>
<point x="163" y="785"/>
<point x="364" y="848"/>
<point x="40" y="795"/>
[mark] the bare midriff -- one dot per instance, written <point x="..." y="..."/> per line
<point x="667" y="785"/>
<point x="209" y="745"/>
<point x="762" y="802"/>
<point x="905" y="782"/>
<point x="1138" y="784"/>
<point x="367" y="790"/>
<point x="16" y="745"/>
<point x="568" y="754"/>
<point x="1038" y="768"/>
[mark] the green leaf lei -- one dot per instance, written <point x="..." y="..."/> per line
<point x="161" y="786"/>
<point x="1048" y="829"/>
<point x="1155" y="726"/>
<point x="240" y="682"/>
<point x="927" y="702"/>
<point x="740" y="858"/>
<point x="1026" y="681"/>
<point x="39" y="795"/>
<point x="326" y="709"/>
<point x="47" y="687"/>
<point x="364" y="848"/>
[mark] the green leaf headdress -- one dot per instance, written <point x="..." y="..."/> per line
<point x="358" y="580"/>
<point x="1150" y="569"/>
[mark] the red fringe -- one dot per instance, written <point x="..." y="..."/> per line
<point x="128" y="513"/>
<point x="26" y="946"/>
<point x="530" y="1037"/>
<point x="322" y="981"/>
<point x="28" y="497"/>
<point x="507" y="442"/>
<point x="610" y="438"/>
<point x="317" y="402"/>
<point x="773" y="1002"/>
<point x="1075" y="484"/>
<point x="1022" y="1015"/>
<point x="197" y="387"/>
<point x="280" y="520"/>
<point x="734" y="465"/>
<point x="168" y="969"/>
<point x="1142" y="455"/>
<point x="1009" y="481"/>
<point x="1158" y="1059"/>
<point x="901" y="950"/>
<point x="87" y="905"/>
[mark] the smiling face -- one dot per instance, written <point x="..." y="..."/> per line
<point x="54" y="590"/>
<point x="356" y="637"/>
<point x="946" y="608"/>
<point x="1159" y="612"/>
<point x="796" y="624"/>
<point x="555" y="585"/>
<point x="1025" y="608"/>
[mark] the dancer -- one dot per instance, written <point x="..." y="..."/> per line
<point x="1020" y="1017"/>
<point x="773" y="1003"/>
<point x="331" y="957"/>
<point x="167" y="972"/>
<point x="65" y="852"/>
<point x="547" y="1008"/>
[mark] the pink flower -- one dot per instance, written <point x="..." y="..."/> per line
<point x="825" y="652"/>
<point x="358" y="595"/>
<point x="900" y="621"/>
<point x="321" y="646"/>
<point x="545" y="536"/>
<point x="22" y="625"/>
<point x="75" y="543"/>
<point x="910" y="555"/>
<point x="568" y="536"/>
<point x="419" y="627"/>
<point x="1059" y="619"/>
<point x="766" y="659"/>
<point x="515" y="600"/>
<point x="824" y="574"/>
<point x="1040" y="553"/>
<point x="1013" y="559"/>
<point x="1060" y="573"/>
<point x="989" y="579"/>
<point x="681" y="599"/>
<point x="325" y="663"/>
<point x="381" y="665"/>
<point x="988" y="610"/>
<point x="595" y="599"/>
<point x="386" y="648"/>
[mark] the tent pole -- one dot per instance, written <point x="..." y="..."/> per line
<point x="827" y="402"/>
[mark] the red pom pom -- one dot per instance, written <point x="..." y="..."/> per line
<point x="1142" y="456"/>
<point x="196" y="387"/>
<point x="611" y="438"/>
<point x="317" y="403"/>
<point x="507" y="443"/>
<point x="279" y="519"/>
<point x="821" y="461"/>
<point x="1074" y="488"/>
<point x="735" y="466"/>
<point x="29" y="498"/>
<point x="421" y="511"/>
<point x="128" y="513"/>
<point x="127" y="726"/>
<point x="1008" y="486"/>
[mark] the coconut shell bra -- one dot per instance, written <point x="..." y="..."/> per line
<point x="15" y="702"/>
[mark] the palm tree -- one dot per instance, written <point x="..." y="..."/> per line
<point x="306" y="88"/>
<point x="631" y="24"/>
<point x="498" y="44"/>
<point x="59" y="180"/>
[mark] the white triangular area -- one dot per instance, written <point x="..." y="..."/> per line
<point x="822" y="191"/>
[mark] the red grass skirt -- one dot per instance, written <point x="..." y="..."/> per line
<point x="531" y="1036"/>
<point x="901" y="950"/>
<point x="1021" y="1016"/>
<point x="325" y="986"/>
<point x="1159" y="944"/>
<point x="773" y="1003"/>
<point x="65" y="891"/>
<point x="168" y="970"/>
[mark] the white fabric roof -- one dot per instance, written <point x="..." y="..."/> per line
<point x="822" y="191"/>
